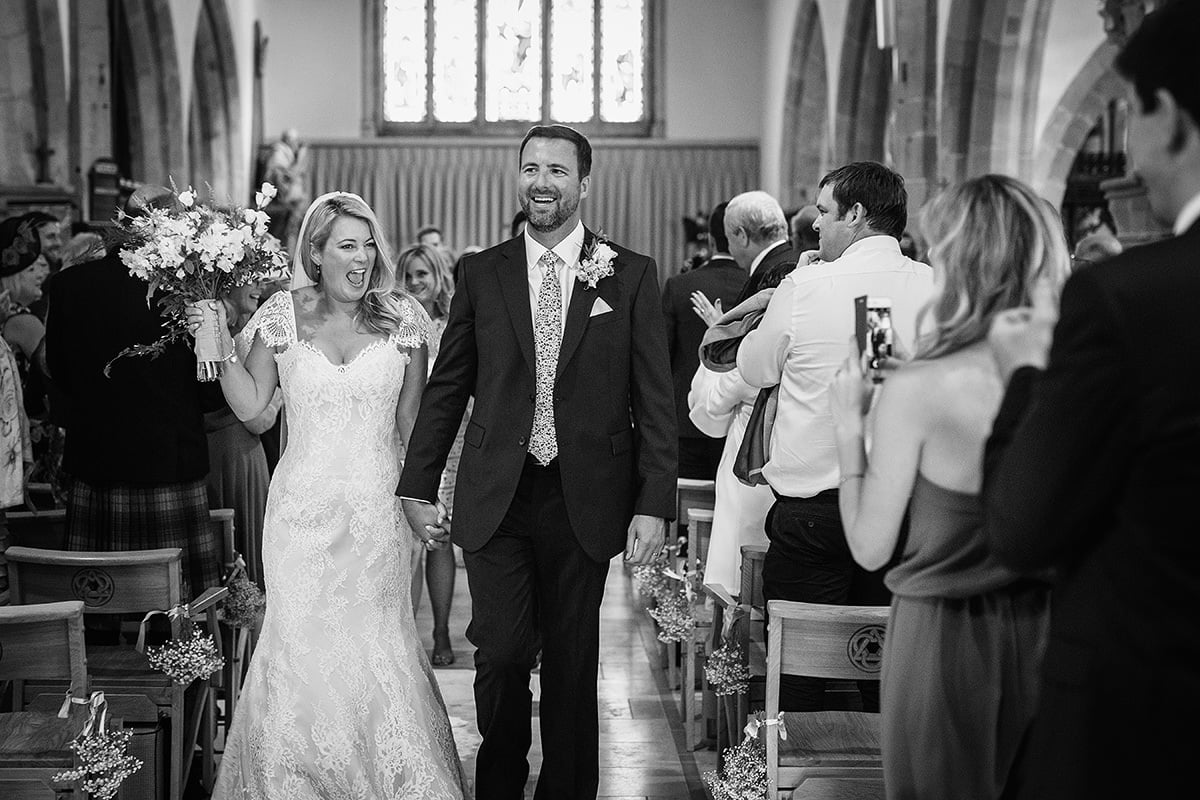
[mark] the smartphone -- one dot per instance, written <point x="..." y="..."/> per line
<point x="873" y="330"/>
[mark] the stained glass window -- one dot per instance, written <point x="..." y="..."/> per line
<point x="469" y="65"/>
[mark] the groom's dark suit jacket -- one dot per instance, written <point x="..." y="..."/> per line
<point x="613" y="402"/>
<point x="1093" y="467"/>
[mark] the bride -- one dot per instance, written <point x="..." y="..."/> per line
<point x="340" y="700"/>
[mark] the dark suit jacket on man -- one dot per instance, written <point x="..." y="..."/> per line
<point x="612" y="401"/>
<point x="145" y="424"/>
<point x="777" y="257"/>
<point x="1093" y="467"/>
<point x="719" y="278"/>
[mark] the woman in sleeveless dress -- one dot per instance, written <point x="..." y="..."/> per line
<point x="965" y="634"/>
<point x="340" y="700"/>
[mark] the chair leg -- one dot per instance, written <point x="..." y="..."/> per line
<point x="689" y="692"/>
<point x="179" y="765"/>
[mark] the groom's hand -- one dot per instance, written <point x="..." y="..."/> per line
<point x="646" y="538"/>
<point x="425" y="521"/>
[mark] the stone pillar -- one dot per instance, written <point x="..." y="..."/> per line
<point x="91" y="94"/>
<point x="914" y="116"/>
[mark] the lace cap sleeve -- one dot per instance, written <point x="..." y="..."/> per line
<point x="415" y="327"/>
<point x="275" y="322"/>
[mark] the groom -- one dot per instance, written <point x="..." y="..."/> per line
<point x="569" y="457"/>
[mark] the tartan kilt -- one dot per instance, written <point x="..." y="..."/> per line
<point x="123" y="516"/>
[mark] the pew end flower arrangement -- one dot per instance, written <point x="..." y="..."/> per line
<point x="193" y="253"/>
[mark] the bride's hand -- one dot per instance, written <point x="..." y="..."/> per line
<point x="195" y="315"/>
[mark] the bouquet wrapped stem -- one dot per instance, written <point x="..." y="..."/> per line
<point x="210" y="360"/>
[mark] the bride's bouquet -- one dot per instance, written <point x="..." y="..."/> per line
<point x="195" y="253"/>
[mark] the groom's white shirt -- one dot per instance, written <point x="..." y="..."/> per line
<point x="568" y="250"/>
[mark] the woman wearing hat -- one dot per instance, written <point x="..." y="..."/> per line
<point x="23" y="268"/>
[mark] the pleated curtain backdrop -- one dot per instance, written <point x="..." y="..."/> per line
<point x="640" y="191"/>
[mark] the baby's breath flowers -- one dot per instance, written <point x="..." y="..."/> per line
<point x="744" y="774"/>
<point x="103" y="763"/>
<point x="246" y="602"/>
<point x="726" y="670"/>
<point x="187" y="659"/>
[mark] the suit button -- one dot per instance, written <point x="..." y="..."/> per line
<point x="533" y="398"/>
<point x="522" y="441"/>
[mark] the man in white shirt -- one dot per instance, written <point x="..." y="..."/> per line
<point x="802" y="339"/>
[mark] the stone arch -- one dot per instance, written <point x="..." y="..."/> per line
<point x="806" y="111"/>
<point x="148" y="120"/>
<point x="215" y="111"/>
<point x="864" y="88"/>
<point x="33" y="97"/>
<point x="993" y="56"/>
<point x="1085" y="99"/>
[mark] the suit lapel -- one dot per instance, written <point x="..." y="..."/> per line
<point x="513" y="274"/>
<point x="580" y="309"/>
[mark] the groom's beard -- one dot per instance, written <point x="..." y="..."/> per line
<point x="544" y="219"/>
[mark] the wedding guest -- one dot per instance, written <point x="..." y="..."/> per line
<point x="719" y="279"/>
<point x="286" y="169"/>
<point x="966" y="632"/>
<point x="238" y="475"/>
<point x="1097" y="246"/>
<point x="757" y="233"/>
<point x="81" y="248"/>
<point x="1091" y="466"/>
<point x="426" y="271"/>
<point x="430" y="235"/>
<point x="798" y="346"/>
<point x="568" y="460"/>
<point x="720" y="403"/>
<point x="16" y="454"/>
<point x="135" y="446"/>
<point x="49" y="232"/>
<point x="23" y="270"/>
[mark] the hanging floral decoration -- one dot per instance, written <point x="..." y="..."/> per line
<point x="102" y="760"/>
<point x="246" y="603"/>
<point x="743" y="775"/>
<point x="674" y="616"/>
<point x="186" y="659"/>
<point x="726" y="670"/>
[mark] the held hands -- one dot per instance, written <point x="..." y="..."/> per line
<point x="1021" y="337"/>
<point x="647" y="535"/>
<point x="427" y="522"/>
<point x="709" y="312"/>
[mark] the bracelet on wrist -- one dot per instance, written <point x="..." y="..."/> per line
<point x="845" y="478"/>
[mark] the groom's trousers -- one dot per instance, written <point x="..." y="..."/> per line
<point x="532" y="586"/>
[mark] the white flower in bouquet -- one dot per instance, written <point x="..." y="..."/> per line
<point x="264" y="195"/>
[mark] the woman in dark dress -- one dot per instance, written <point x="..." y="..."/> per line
<point x="965" y="635"/>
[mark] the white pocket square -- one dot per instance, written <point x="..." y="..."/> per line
<point x="600" y="307"/>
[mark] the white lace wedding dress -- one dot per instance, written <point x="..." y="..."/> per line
<point x="340" y="700"/>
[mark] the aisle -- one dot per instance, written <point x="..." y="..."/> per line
<point x="642" y="752"/>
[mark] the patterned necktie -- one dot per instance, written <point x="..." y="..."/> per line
<point x="547" y="336"/>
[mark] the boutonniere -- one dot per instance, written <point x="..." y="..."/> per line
<point x="596" y="261"/>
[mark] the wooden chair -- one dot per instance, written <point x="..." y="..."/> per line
<point x="44" y="529"/>
<point x="237" y="643"/>
<point x="41" y="641"/>
<point x="694" y="648"/>
<point x="738" y="620"/>
<point x="133" y="583"/>
<point x="689" y="493"/>
<point x="822" y="641"/>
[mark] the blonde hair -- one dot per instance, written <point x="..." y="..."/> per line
<point x="439" y="266"/>
<point x="381" y="308"/>
<point x="991" y="239"/>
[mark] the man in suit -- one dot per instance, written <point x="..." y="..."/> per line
<point x="1092" y="466"/>
<point x="719" y="279"/>
<point x="758" y="234"/>
<point x="569" y="458"/>
<point x="135" y="447"/>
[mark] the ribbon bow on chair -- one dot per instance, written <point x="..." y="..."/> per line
<point x="97" y="712"/>
<point x="753" y="725"/>
<point x="182" y="610"/>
